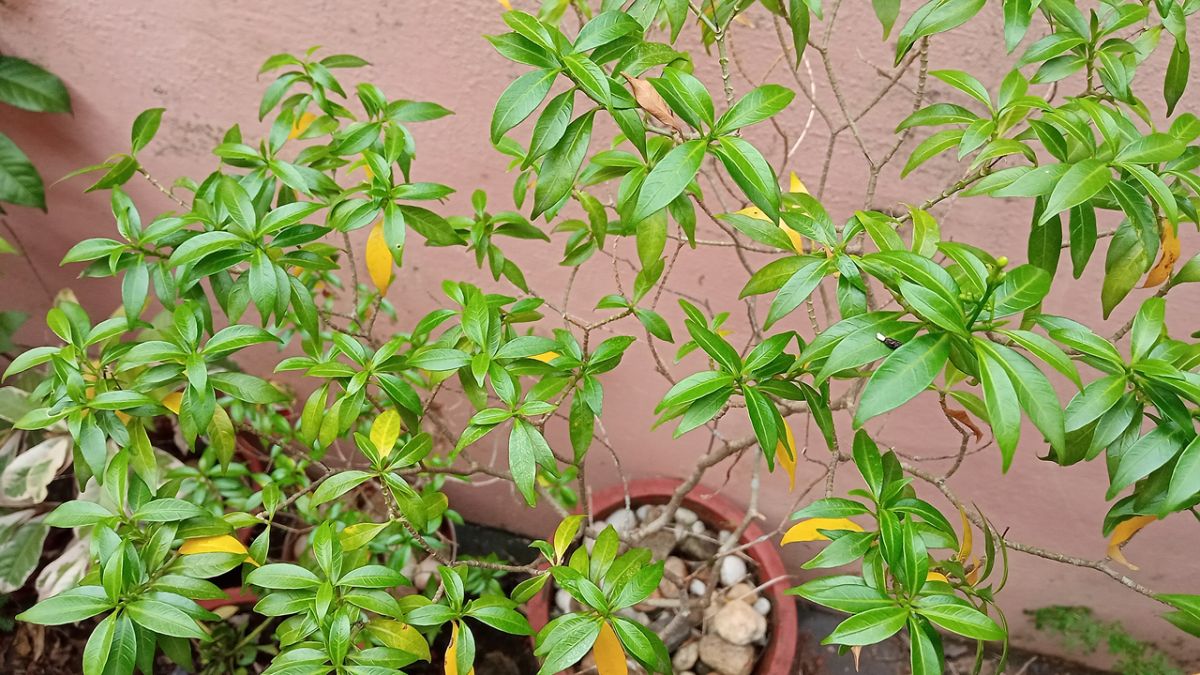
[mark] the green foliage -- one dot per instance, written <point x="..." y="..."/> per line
<point x="258" y="256"/>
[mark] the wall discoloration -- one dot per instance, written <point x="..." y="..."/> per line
<point x="199" y="59"/>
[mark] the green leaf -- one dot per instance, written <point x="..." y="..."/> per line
<point x="1124" y="265"/>
<point x="1147" y="454"/>
<point x="686" y="96"/>
<point x="164" y="619"/>
<point x="843" y="593"/>
<point x="20" y="183"/>
<point x="757" y="105"/>
<point x="751" y="172"/>
<point x="801" y="24"/>
<point x="70" y="606"/>
<point x="551" y="125"/>
<point x="668" y="178"/>
<point x="561" y="165"/>
<point x="31" y="87"/>
<point x="521" y="49"/>
<point x="1034" y="391"/>
<point x="1148" y="326"/>
<point x="526" y="449"/>
<point x="1177" y="74"/>
<point x="144" y="128"/>
<point x="282" y="577"/>
<point x="1185" y="478"/>
<point x="930" y="148"/>
<point x="1047" y="351"/>
<point x="1023" y="287"/>
<point x="869" y="627"/>
<point x="1080" y="183"/>
<point x="337" y="485"/>
<point x="773" y="275"/>
<point x="933" y="17"/>
<point x="571" y="640"/>
<point x="962" y="619"/>
<point x="604" y="28"/>
<point x="1002" y="404"/>
<point x="964" y="83"/>
<point x="167" y="510"/>
<point x="589" y="76"/>
<point x="905" y="373"/>
<point x="248" y="388"/>
<point x="202" y="245"/>
<point x="762" y="419"/>
<point x="519" y="100"/>
<point x="796" y="289"/>
<point x="934" y="307"/>
<point x="887" y="11"/>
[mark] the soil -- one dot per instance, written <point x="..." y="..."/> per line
<point x="58" y="650"/>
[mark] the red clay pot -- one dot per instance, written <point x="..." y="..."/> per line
<point x="779" y="656"/>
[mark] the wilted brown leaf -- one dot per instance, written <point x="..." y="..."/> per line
<point x="964" y="419"/>
<point x="649" y="99"/>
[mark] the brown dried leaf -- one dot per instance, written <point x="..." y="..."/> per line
<point x="964" y="419"/>
<point x="648" y="99"/>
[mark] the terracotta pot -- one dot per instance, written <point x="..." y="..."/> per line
<point x="779" y="656"/>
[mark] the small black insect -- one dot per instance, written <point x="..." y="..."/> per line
<point x="891" y="343"/>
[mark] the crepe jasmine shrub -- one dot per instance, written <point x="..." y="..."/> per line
<point x="624" y="162"/>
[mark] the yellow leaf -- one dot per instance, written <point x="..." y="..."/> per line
<point x="385" y="430"/>
<point x="545" y="357"/>
<point x="785" y="454"/>
<point x="753" y="212"/>
<point x="856" y="650"/>
<point x="807" y="530"/>
<point x="964" y="550"/>
<point x="1166" y="262"/>
<point x="505" y="4"/>
<point x="797" y="185"/>
<point x="610" y="656"/>
<point x="452" y="652"/>
<point x="1121" y="535"/>
<point x="379" y="259"/>
<point x="302" y="124"/>
<point x="221" y="543"/>
<point x="172" y="400"/>
<point x="400" y="636"/>
<point x="937" y="576"/>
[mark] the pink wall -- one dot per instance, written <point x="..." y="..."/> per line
<point x="198" y="60"/>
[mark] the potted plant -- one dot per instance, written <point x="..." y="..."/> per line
<point x="297" y="237"/>
<point x="737" y="589"/>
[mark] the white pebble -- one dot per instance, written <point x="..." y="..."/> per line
<point x="697" y="588"/>
<point x="623" y="521"/>
<point x="733" y="570"/>
<point x="762" y="606"/>
<point x="686" y="516"/>
<point x="642" y="511"/>
<point x="724" y="536"/>
<point x="697" y="527"/>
